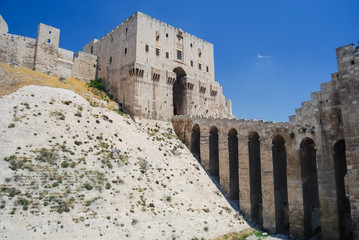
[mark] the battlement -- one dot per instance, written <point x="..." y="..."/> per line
<point x="43" y="54"/>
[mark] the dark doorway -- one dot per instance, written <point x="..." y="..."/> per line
<point x="344" y="213"/>
<point x="310" y="188"/>
<point x="233" y="165"/>
<point x="179" y="92"/>
<point x="279" y="155"/>
<point x="255" y="178"/>
<point x="213" y="153"/>
<point x="195" y="142"/>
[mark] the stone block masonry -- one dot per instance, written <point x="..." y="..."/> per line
<point x="299" y="176"/>
<point x="43" y="54"/>
<point x="158" y="71"/>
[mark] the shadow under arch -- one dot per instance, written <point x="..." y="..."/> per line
<point x="195" y="141"/>
<point x="311" y="205"/>
<point x="213" y="153"/>
<point x="279" y="157"/>
<point x="233" y="165"/>
<point x="255" y="180"/>
<point x="343" y="202"/>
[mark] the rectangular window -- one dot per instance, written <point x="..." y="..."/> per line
<point x="147" y="48"/>
<point x="199" y="66"/>
<point x="157" y="51"/>
<point x="191" y="63"/>
<point x="179" y="55"/>
<point x="110" y="60"/>
<point x="125" y="50"/>
<point x="167" y="55"/>
<point x="207" y="69"/>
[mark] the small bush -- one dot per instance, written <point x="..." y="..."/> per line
<point x="168" y="199"/>
<point x="88" y="186"/>
<point x="65" y="164"/>
<point x="48" y="156"/>
<point x="96" y="83"/>
<point x="108" y="185"/>
<point x="11" y="125"/>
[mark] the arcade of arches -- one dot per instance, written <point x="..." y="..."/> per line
<point x="270" y="175"/>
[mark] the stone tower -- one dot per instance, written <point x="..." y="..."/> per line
<point x="158" y="71"/>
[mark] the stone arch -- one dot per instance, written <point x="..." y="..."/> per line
<point x="343" y="203"/>
<point x="213" y="153"/>
<point x="233" y="164"/>
<point x="279" y="156"/>
<point x="255" y="181"/>
<point x="179" y="93"/>
<point x="195" y="141"/>
<point x="310" y="191"/>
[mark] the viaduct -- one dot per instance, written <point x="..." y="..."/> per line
<point x="299" y="176"/>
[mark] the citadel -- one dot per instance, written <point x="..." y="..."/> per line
<point x="298" y="177"/>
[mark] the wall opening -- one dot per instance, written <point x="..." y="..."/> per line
<point x="255" y="178"/>
<point x="179" y="93"/>
<point x="279" y="155"/>
<point x="343" y="203"/>
<point x="195" y="142"/>
<point x="233" y="165"/>
<point x="310" y="188"/>
<point x="213" y="153"/>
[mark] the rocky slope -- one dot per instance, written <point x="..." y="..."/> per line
<point x="70" y="169"/>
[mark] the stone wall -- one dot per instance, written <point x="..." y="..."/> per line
<point x="44" y="55"/>
<point x="300" y="175"/>
<point x="17" y="49"/>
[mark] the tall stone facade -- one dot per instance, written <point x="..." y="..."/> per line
<point x="44" y="54"/>
<point x="158" y="71"/>
<point x="299" y="176"/>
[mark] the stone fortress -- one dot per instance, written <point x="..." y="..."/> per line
<point x="158" y="71"/>
<point x="298" y="177"/>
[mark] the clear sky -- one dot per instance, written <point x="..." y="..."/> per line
<point x="269" y="54"/>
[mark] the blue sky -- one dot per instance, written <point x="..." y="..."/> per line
<point x="269" y="55"/>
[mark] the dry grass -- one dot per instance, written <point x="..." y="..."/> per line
<point x="237" y="235"/>
<point x="12" y="79"/>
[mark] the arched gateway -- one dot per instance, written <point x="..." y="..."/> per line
<point x="179" y="93"/>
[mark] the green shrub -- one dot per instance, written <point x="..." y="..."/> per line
<point x="108" y="185"/>
<point x="96" y="83"/>
<point x="65" y="164"/>
<point x="48" y="156"/>
<point x="11" y="125"/>
<point x="88" y="186"/>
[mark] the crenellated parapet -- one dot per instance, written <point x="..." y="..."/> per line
<point x="43" y="54"/>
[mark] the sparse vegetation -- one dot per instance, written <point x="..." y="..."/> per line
<point x="96" y="83"/>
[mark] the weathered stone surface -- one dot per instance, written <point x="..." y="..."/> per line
<point x="44" y="55"/>
<point x="320" y="152"/>
<point x="158" y="71"/>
